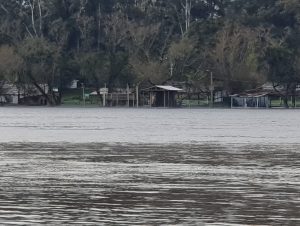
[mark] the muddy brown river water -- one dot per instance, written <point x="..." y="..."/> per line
<point x="63" y="166"/>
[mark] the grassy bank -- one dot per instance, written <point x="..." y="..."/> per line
<point x="74" y="97"/>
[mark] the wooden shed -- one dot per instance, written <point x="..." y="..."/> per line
<point x="162" y="95"/>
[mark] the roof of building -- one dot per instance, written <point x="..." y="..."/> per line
<point x="255" y="95"/>
<point x="163" y="88"/>
<point x="169" y="88"/>
<point x="94" y="93"/>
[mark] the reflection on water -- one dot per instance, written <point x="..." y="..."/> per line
<point x="88" y="184"/>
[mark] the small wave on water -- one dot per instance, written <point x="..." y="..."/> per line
<point x="149" y="184"/>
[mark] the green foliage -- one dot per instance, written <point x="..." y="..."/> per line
<point x="40" y="58"/>
<point x="281" y="67"/>
<point x="94" y="68"/>
<point x="10" y="63"/>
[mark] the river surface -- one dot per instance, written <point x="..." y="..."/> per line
<point x="63" y="166"/>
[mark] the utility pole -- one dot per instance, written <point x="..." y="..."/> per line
<point x="137" y="95"/>
<point x="171" y="69"/>
<point x="211" y="90"/>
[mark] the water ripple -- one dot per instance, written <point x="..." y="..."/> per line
<point x="209" y="184"/>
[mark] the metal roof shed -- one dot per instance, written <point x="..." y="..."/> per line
<point x="162" y="96"/>
<point x="169" y="88"/>
<point x="251" y="100"/>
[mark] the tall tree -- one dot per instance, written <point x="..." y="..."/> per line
<point x="235" y="58"/>
<point x="41" y="60"/>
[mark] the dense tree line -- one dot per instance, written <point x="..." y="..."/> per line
<point x="244" y="43"/>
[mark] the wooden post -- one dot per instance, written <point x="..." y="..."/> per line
<point x="128" y="105"/>
<point x="83" y="94"/>
<point x="168" y="98"/>
<point x="231" y="104"/>
<point x="164" y="99"/>
<point x="104" y="97"/>
<point x="133" y="100"/>
<point x="211" y="90"/>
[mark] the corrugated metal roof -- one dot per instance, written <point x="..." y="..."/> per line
<point x="169" y="88"/>
<point x="251" y="95"/>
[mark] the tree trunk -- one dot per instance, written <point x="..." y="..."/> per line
<point x="39" y="88"/>
<point x="286" y="96"/>
<point x="294" y="96"/>
<point x="112" y="72"/>
<point x="41" y="17"/>
<point x="188" y="8"/>
<point x="99" y="28"/>
<point x="286" y="101"/>
<point x="294" y="101"/>
<point x="32" y="6"/>
<point x="56" y="99"/>
<point x="49" y="100"/>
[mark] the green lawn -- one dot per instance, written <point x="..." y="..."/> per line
<point x="195" y="103"/>
<point x="279" y="103"/>
<point x="74" y="97"/>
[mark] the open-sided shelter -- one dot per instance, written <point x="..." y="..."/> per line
<point x="162" y="96"/>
